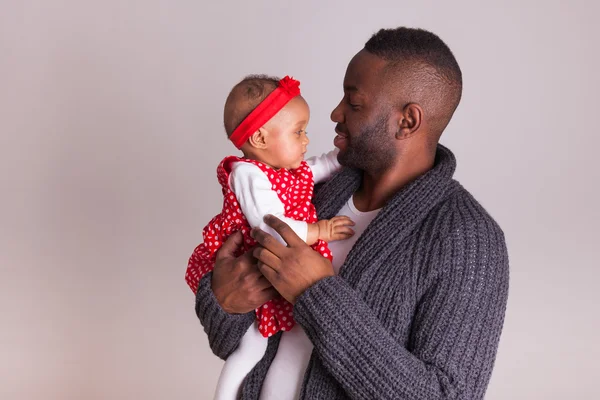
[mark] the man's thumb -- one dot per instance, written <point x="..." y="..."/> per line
<point x="231" y="245"/>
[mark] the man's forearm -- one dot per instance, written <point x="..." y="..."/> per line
<point x="369" y="363"/>
<point x="224" y="330"/>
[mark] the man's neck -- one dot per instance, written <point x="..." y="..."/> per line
<point x="377" y="188"/>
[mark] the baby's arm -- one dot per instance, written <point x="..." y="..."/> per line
<point x="257" y="199"/>
<point x="324" y="165"/>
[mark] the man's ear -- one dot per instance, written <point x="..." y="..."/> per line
<point x="409" y="121"/>
<point x="258" y="140"/>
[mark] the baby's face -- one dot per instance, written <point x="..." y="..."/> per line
<point x="287" y="134"/>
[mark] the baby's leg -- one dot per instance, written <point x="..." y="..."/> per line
<point x="250" y="351"/>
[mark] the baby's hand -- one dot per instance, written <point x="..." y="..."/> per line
<point x="336" y="228"/>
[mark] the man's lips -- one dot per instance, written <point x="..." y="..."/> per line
<point x="341" y="139"/>
<point x="340" y="132"/>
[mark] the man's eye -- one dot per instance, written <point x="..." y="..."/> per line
<point x="353" y="106"/>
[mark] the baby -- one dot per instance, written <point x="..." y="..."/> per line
<point x="266" y="118"/>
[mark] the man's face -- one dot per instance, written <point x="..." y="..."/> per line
<point x="364" y="135"/>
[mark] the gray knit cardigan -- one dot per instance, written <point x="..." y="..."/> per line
<point x="417" y="309"/>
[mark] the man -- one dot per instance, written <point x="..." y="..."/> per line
<point x="413" y="306"/>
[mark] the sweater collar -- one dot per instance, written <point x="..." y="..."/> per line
<point x="398" y="218"/>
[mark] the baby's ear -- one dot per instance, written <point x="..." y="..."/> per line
<point x="258" y="140"/>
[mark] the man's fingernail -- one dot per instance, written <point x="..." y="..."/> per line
<point x="252" y="232"/>
<point x="268" y="217"/>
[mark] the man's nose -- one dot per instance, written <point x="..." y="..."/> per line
<point x="336" y="115"/>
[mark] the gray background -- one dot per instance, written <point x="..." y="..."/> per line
<point x="110" y="122"/>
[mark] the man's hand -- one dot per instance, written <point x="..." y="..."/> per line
<point x="237" y="283"/>
<point x="293" y="269"/>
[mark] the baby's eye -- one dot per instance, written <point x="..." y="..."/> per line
<point x="300" y="132"/>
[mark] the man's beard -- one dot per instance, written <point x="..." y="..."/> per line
<point x="372" y="150"/>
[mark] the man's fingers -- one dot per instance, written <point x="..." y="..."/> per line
<point x="266" y="295"/>
<point x="266" y="257"/>
<point x="284" y="230"/>
<point x="230" y="246"/>
<point x="268" y="272"/>
<point x="262" y="283"/>
<point x="268" y="242"/>
<point x="247" y="258"/>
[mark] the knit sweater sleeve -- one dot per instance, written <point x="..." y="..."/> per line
<point x="454" y="332"/>
<point x="224" y="330"/>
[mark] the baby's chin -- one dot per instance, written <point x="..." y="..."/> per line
<point x="298" y="164"/>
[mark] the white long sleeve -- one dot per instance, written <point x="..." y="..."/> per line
<point x="256" y="197"/>
<point x="324" y="165"/>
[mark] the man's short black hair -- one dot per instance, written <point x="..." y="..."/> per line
<point x="432" y="66"/>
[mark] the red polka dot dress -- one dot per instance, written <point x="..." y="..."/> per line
<point x="295" y="190"/>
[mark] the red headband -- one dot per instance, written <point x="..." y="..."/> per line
<point x="287" y="89"/>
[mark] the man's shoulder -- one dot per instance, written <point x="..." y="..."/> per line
<point x="464" y="233"/>
<point x="462" y="214"/>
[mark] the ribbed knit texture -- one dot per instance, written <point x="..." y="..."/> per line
<point x="417" y="309"/>
<point x="224" y="330"/>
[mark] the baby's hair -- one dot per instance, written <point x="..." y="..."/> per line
<point x="245" y="97"/>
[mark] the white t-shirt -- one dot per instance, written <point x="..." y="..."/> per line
<point x="286" y="373"/>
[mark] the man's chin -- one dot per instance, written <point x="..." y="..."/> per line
<point x="346" y="160"/>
